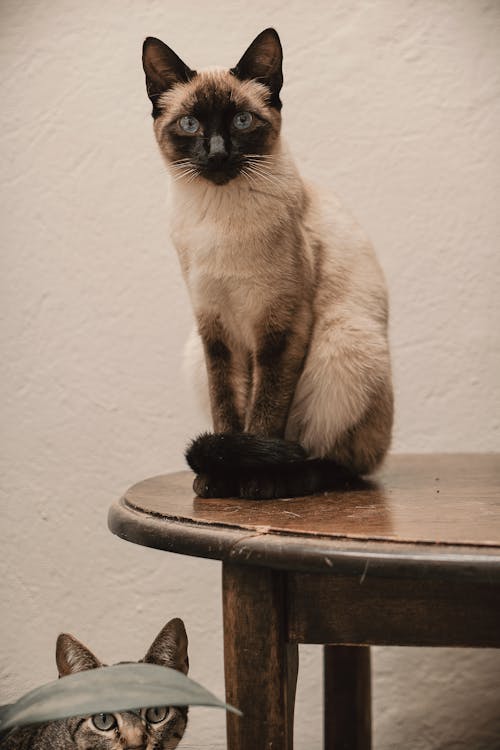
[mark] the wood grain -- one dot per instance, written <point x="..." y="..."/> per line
<point x="391" y="612"/>
<point x="347" y="687"/>
<point x="260" y="666"/>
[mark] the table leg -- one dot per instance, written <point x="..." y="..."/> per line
<point x="347" y="687"/>
<point x="260" y="667"/>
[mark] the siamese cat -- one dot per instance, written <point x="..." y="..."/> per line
<point x="159" y="728"/>
<point x="290" y="302"/>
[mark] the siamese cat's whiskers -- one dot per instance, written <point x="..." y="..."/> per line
<point x="261" y="169"/>
<point x="253" y="183"/>
<point x="263" y="174"/>
<point x="186" y="177"/>
<point x="263" y="164"/>
<point x="182" y="169"/>
<point x="182" y="166"/>
<point x="185" y="172"/>
<point x="271" y="164"/>
<point x="183" y="178"/>
<point x="247" y="176"/>
<point x="192" y="176"/>
<point x="259" y="157"/>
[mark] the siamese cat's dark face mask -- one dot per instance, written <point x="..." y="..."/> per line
<point x="217" y="124"/>
<point x="218" y="136"/>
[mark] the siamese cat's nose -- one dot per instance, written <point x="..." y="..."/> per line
<point x="217" y="149"/>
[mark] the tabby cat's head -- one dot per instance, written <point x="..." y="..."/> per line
<point x="216" y="125"/>
<point x="148" y="729"/>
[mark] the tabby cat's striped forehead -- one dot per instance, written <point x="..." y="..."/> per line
<point x="216" y="90"/>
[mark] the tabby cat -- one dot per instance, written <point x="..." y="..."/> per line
<point x="290" y="302"/>
<point x="150" y="729"/>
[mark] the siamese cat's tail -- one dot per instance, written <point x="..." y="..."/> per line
<point x="254" y="467"/>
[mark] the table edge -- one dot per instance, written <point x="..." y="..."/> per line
<point x="282" y="550"/>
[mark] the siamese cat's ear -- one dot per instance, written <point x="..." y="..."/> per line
<point x="263" y="61"/>
<point x="163" y="69"/>
<point x="169" y="648"/>
<point x="72" y="656"/>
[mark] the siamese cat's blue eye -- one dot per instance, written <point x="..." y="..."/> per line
<point x="242" y="120"/>
<point x="189" y="124"/>
<point x="104" y="722"/>
<point x="155" y="715"/>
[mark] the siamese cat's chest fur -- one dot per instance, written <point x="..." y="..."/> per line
<point x="289" y="300"/>
<point x="238" y="253"/>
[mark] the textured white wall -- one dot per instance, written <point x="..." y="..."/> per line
<point x="396" y="105"/>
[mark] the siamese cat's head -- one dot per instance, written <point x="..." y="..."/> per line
<point x="216" y="125"/>
<point x="158" y="728"/>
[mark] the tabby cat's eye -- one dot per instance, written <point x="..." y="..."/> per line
<point x="104" y="722"/>
<point x="157" y="714"/>
<point x="242" y="120"/>
<point x="189" y="124"/>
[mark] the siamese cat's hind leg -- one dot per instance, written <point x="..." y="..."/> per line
<point x="363" y="446"/>
<point x="343" y="405"/>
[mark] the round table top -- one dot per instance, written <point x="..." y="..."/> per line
<point x="435" y="513"/>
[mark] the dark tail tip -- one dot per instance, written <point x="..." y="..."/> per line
<point x="212" y="453"/>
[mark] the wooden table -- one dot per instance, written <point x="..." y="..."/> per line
<point x="411" y="560"/>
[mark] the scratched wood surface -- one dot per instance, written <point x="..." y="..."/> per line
<point x="444" y="499"/>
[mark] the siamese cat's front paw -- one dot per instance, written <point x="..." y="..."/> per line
<point x="215" y="486"/>
<point x="265" y="486"/>
<point x="245" y="487"/>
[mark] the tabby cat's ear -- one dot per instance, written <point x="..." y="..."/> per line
<point x="163" y="69"/>
<point x="263" y="61"/>
<point x="169" y="648"/>
<point x="72" y="656"/>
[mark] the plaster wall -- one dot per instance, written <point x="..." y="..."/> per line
<point x="395" y="105"/>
